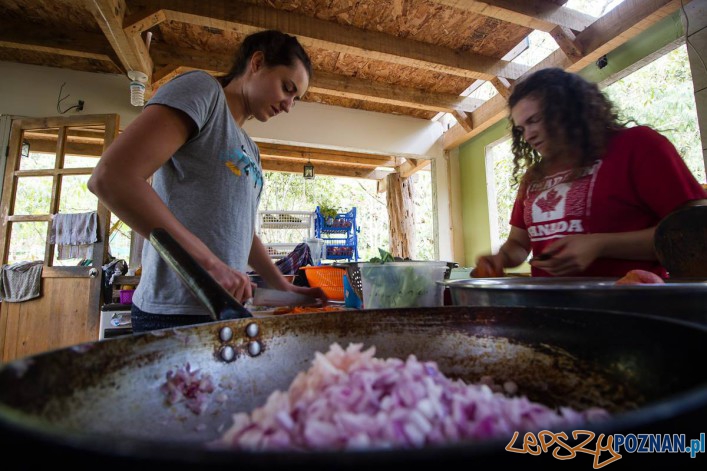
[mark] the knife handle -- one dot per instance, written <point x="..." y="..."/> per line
<point x="220" y="303"/>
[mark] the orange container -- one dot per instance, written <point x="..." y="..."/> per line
<point x="329" y="279"/>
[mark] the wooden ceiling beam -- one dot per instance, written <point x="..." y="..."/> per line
<point x="130" y="49"/>
<point x="246" y="18"/>
<point x="542" y="15"/>
<point x="41" y="39"/>
<point x="411" y="167"/>
<point x="567" y="42"/>
<point x="624" y="22"/>
<point x="277" y="165"/>
<point x="303" y="154"/>
<point x="325" y="83"/>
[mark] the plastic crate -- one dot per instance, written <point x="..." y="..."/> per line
<point x="329" y="279"/>
<point x="126" y="296"/>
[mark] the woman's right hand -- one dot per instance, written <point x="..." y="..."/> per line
<point x="488" y="266"/>
<point x="235" y="282"/>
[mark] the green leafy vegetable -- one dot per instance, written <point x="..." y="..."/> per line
<point x="402" y="285"/>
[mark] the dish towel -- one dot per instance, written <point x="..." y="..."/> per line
<point x="74" y="234"/>
<point x="21" y="281"/>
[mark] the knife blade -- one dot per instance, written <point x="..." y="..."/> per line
<point x="275" y="297"/>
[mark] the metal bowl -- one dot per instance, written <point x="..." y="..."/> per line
<point x="683" y="300"/>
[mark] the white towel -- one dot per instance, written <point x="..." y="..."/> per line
<point x="67" y="252"/>
<point x="21" y="281"/>
<point x="74" y="229"/>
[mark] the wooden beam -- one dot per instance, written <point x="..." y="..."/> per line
<point x="566" y="40"/>
<point x="40" y="39"/>
<point x="624" y="22"/>
<point x="327" y="83"/>
<point x="246" y="18"/>
<point x="189" y="59"/>
<point x="464" y="120"/>
<point x="279" y="165"/>
<point x="131" y="50"/>
<point x="302" y="154"/>
<point x="535" y="14"/>
<point x="412" y="166"/>
<point x="502" y="86"/>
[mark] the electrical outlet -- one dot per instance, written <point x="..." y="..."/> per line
<point x="79" y="107"/>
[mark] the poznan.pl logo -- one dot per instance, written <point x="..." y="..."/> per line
<point x="605" y="449"/>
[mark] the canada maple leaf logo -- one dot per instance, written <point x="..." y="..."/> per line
<point x="548" y="203"/>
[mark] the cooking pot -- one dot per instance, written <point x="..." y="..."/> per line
<point x="100" y="403"/>
<point x="677" y="299"/>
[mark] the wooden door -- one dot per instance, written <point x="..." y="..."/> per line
<point x="49" y="179"/>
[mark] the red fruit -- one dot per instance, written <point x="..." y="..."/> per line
<point x="640" y="277"/>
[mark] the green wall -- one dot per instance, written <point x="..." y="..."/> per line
<point x="475" y="209"/>
<point x="474" y="199"/>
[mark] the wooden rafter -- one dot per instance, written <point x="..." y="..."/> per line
<point x="328" y="83"/>
<point x="130" y="49"/>
<point x="566" y="40"/>
<point x="542" y="15"/>
<point x="279" y="165"/>
<point x="42" y="39"/>
<point x="626" y="21"/>
<point x="330" y="156"/>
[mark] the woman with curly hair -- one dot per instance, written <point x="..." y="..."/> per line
<point x="592" y="188"/>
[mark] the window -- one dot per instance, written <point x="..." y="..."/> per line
<point x="661" y="95"/>
<point x="501" y="192"/>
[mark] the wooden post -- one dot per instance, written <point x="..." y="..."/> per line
<point x="401" y="212"/>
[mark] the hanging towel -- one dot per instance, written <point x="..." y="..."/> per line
<point x="74" y="234"/>
<point x="67" y="252"/>
<point x="21" y="281"/>
<point x="74" y="229"/>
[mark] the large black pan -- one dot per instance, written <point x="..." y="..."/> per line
<point x="99" y="404"/>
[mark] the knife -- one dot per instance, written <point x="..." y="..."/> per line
<point x="275" y="297"/>
<point x="220" y="303"/>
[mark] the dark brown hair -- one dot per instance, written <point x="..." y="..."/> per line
<point x="575" y="113"/>
<point x="277" y="47"/>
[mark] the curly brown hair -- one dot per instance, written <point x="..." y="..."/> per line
<point x="576" y="114"/>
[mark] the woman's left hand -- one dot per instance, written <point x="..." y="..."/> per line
<point x="314" y="292"/>
<point x="570" y="255"/>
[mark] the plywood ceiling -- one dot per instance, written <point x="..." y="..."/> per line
<point x="404" y="57"/>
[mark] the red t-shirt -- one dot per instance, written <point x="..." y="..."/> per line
<point x="639" y="181"/>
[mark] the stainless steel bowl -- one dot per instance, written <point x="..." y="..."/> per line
<point x="684" y="300"/>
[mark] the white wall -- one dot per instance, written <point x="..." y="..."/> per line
<point x="33" y="91"/>
<point x="313" y="123"/>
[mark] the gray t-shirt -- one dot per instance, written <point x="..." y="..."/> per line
<point x="212" y="184"/>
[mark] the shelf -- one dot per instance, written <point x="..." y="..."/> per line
<point x="126" y="280"/>
<point x="298" y="226"/>
<point x="339" y="234"/>
<point x="283" y="225"/>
